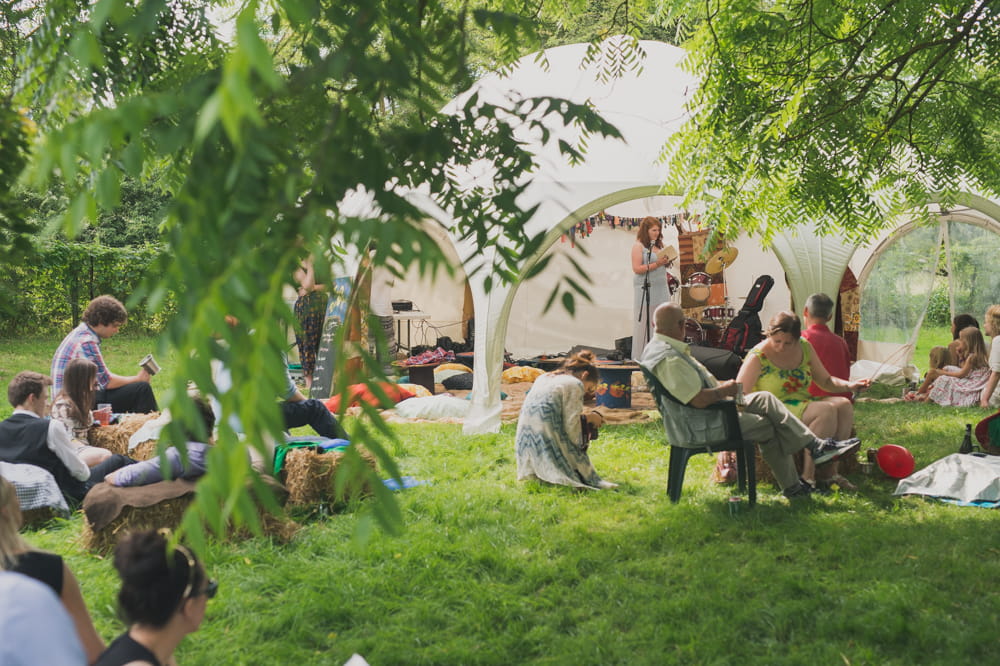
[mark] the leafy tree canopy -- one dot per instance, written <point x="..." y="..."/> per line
<point x="260" y="138"/>
<point x="839" y="112"/>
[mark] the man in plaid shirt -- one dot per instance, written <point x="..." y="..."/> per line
<point x="102" y="319"/>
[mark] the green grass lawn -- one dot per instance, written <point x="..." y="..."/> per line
<point x="492" y="571"/>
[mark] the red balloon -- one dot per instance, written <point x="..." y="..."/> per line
<point x="896" y="461"/>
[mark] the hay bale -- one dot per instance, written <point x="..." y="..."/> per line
<point x="309" y="476"/>
<point x="144" y="451"/>
<point x="167" y="513"/>
<point x="170" y="512"/>
<point x="115" y="438"/>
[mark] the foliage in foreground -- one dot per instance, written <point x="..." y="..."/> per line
<point x="842" y="113"/>
<point x="260" y="141"/>
<point x="493" y="571"/>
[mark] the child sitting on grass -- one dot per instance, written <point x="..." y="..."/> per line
<point x="938" y="359"/>
<point x="961" y="387"/>
<point x="148" y="471"/>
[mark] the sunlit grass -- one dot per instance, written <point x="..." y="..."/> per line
<point x="492" y="571"/>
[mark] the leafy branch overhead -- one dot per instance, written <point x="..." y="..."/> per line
<point x="842" y="113"/>
<point x="261" y="137"/>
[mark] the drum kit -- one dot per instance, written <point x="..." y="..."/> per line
<point x="714" y="318"/>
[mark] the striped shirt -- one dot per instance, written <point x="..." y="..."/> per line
<point x="82" y="342"/>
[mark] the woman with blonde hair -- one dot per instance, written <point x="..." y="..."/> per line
<point x="937" y="359"/>
<point x="990" y="396"/>
<point x="785" y="364"/>
<point x="649" y="281"/>
<point x="963" y="386"/>
<point x="16" y="555"/>
<point x="72" y="408"/>
<point x="551" y="441"/>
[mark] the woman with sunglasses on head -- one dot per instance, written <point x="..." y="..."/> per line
<point x="163" y="597"/>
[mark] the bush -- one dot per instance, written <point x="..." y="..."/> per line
<point x="939" y="308"/>
<point x="48" y="292"/>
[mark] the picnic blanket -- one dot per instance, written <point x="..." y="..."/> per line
<point x="962" y="477"/>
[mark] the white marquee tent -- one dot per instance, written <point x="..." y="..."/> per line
<point x="623" y="177"/>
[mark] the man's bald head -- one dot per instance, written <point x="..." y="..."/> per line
<point x="669" y="320"/>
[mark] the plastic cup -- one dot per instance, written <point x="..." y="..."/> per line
<point x="102" y="416"/>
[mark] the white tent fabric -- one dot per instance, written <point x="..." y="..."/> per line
<point x="614" y="171"/>
<point x="812" y="263"/>
<point x="922" y="243"/>
<point x="625" y="176"/>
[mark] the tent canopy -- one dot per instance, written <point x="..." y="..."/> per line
<point x="647" y="107"/>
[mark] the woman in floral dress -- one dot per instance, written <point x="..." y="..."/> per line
<point x="785" y="364"/>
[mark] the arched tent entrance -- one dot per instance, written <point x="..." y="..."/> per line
<point x="605" y="257"/>
<point x="646" y="107"/>
<point x="446" y="298"/>
<point x="614" y="171"/>
<point x="898" y="273"/>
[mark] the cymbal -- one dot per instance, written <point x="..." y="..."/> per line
<point x="722" y="259"/>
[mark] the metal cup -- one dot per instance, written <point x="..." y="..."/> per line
<point x="149" y="364"/>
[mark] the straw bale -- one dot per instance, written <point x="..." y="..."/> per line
<point x="309" y="476"/>
<point x="144" y="451"/>
<point x="115" y="438"/>
<point x="169" y="513"/>
<point x="165" y="514"/>
<point x="764" y="473"/>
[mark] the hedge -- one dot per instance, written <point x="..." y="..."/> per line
<point x="49" y="291"/>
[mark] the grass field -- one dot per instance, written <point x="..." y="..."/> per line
<point x="492" y="571"/>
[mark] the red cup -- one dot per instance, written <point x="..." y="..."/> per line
<point x="102" y="416"/>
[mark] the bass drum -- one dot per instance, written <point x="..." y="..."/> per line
<point x="699" y="287"/>
<point x="694" y="334"/>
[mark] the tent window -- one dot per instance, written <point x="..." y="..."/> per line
<point x="928" y="275"/>
<point x="895" y="295"/>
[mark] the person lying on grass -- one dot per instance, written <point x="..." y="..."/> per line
<point x="148" y="471"/>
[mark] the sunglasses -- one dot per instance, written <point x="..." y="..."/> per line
<point x="211" y="588"/>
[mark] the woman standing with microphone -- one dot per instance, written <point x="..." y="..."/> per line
<point x="649" y="281"/>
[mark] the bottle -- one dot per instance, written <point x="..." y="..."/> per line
<point x="967" y="440"/>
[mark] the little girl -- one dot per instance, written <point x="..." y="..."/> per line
<point x="937" y="360"/>
<point x="961" y="387"/>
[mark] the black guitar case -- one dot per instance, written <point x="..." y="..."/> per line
<point x="745" y="330"/>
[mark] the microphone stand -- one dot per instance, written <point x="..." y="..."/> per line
<point x="644" y="306"/>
